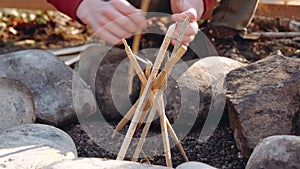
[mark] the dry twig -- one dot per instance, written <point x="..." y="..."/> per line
<point x="143" y="98"/>
<point x="136" y="44"/>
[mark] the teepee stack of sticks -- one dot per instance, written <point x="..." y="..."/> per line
<point x="151" y="97"/>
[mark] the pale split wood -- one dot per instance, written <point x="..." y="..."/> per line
<point x="148" y="69"/>
<point x="177" y="142"/>
<point x="137" y="38"/>
<point x="145" y="61"/>
<point x="163" y="49"/>
<point x="181" y="34"/>
<point x="164" y="132"/>
<point x="136" y="44"/>
<point x="147" y="126"/>
<point x="152" y="98"/>
<point x="147" y="74"/>
<point x="167" y="69"/>
<point x="134" y="62"/>
<point x="143" y="98"/>
<point x="125" y="119"/>
<point x="141" y="76"/>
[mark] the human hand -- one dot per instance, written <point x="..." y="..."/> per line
<point x="112" y="20"/>
<point x="183" y="8"/>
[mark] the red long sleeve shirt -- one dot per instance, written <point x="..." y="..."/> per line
<point x="69" y="7"/>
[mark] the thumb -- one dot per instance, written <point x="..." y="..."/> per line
<point x="180" y="17"/>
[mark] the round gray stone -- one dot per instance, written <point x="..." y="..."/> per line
<point x="97" y="163"/>
<point x="197" y="95"/>
<point x="194" y="165"/>
<point x="60" y="95"/>
<point x="34" y="146"/>
<point x="16" y="104"/>
<point x="276" y="152"/>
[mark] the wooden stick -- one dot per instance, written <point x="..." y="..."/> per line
<point x="147" y="74"/>
<point x="125" y="119"/>
<point x="166" y="70"/>
<point x="136" y="44"/>
<point x="142" y="78"/>
<point x="143" y="98"/>
<point x="181" y="33"/>
<point x="173" y="135"/>
<point x="134" y="62"/>
<point x="141" y="75"/>
<point x="164" y="132"/>
<point x="168" y="67"/>
<point x="137" y="38"/>
<point x="145" y="61"/>
<point x="147" y="127"/>
<point x="177" y="142"/>
<point x="148" y="69"/>
<point x="146" y="158"/>
<point x="152" y="99"/>
<point x="257" y="35"/>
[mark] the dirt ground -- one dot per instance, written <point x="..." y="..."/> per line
<point x="49" y="30"/>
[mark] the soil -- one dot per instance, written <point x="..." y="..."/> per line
<point x="219" y="150"/>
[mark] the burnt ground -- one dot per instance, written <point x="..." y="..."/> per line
<point x="52" y="30"/>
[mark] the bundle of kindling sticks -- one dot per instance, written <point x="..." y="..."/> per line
<point x="151" y="97"/>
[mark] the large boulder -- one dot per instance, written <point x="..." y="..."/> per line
<point x="16" y="104"/>
<point x="196" y="93"/>
<point x="264" y="100"/>
<point x="34" y="146"/>
<point x="97" y="163"/>
<point x="276" y="152"/>
<point x="59" y="93"/>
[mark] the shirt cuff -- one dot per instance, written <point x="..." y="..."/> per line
<point x="207" y="5"/>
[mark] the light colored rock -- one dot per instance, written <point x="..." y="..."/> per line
<point x="276" y="152"/>
<point x="16" y="104"/>
<point x="97" y="163"/>
<point x="196" y="95"/>
<point x="34" y="146"/>
<point x="59" y="93"/>
<point x="194" y="165"/>
<point x="263" y="100"/>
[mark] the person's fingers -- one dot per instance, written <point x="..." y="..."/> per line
<point x="192" y="29"/>
<point x="127" y="9"/>
<point x="180" y="17"/>
<point x="185" y="40"/>
<point x="123" y="21"/>
<point x="117" y="30"/>
<point x="124" y="6"/>
<point x="138" y="19"/>
<point x="108" y="37"/>
<point x="127" y="16"/>
<point x="102" y="31"/>
<point x="188" y="39"/>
